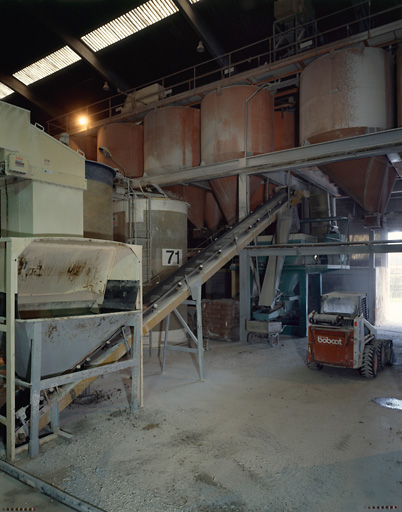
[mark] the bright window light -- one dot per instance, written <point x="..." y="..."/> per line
<point x="129" y="23"/>
<point x="133" y="21"/>
<point x="47" y="66"/>
<point x="4" y="91"/>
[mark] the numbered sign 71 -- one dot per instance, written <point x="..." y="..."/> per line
<point x="171" y="257"/>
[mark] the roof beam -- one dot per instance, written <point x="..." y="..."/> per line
<point x="196" y="23"/>
<point x="27" y="93"/>
<point x="83" y="51"/>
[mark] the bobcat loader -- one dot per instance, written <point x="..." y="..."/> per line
<point x="340" y="335"/>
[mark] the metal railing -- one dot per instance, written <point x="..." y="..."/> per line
<point x="294" y="39"/>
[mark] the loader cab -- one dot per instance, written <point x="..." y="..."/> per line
<point x="345" y="304"/>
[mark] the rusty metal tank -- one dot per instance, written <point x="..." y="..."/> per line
<point x="195" y="197"/>
<point x="225" y="114"/>
<point x="213" y="214"/>
<point x="85" y="143"/>
<point x="98" y="201"/>
<point x="125" y="143"/>
<point x="172" y="142"/>
<point x="344" y="94"/>
<point x="284" y="138"/>
<point x="171" y="139"/>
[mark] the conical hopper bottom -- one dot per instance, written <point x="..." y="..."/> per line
<point x="369" y="181"/>
<point x="226" y="192"/>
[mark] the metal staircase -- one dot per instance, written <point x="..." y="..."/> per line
<point x="186" y="281"/>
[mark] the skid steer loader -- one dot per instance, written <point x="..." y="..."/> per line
<point x="340" y="335"/>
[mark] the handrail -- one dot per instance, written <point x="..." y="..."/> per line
<point x="245" y="58"/>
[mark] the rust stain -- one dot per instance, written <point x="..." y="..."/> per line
<point x="22" y="263"/>
<point x="51" y="329"/>
<point x="76" y="269"/>
<point x="34" y="270"/>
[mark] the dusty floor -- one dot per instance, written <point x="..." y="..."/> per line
<point x="15" y="495"/>
<point x="263" y="433"/>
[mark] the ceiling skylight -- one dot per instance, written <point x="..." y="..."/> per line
<point x="4" y="91"/>
<point x="133" y="21"/>
<point x="129" y="23"/>
<point x="47" y="66"/>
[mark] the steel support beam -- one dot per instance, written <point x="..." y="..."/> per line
<point x="202" y="31"/>
<point x="362" y="146"/>
<point x="27" y="93"/>
<point x="82" y="50"/>
<point x="377" y="247"/>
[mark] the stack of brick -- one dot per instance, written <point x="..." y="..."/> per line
<point x="220" y="319"/>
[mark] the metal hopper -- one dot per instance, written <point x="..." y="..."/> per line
<point x="76" y="292"/>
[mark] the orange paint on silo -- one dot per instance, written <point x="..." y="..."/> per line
<point x="125" y="143"/>
<point x="85" y="143"/>
<point x="224" y="116"/>
<point x="213" y="214"/>
<point x="171" y="139"/>
<point x="195" y="197"/>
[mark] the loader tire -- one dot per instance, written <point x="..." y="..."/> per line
<point x="369" y="367"/>
<point x="315" y="366"/>
<point x="382" y="357"/>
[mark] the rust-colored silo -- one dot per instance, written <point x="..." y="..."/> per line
<point x="172" y="142"/>
<point x="284" y="138"/>
<point x="124" y="141"/>
<point x="195" y="197"/>
<point x="225" y="114"/>
<point x="344" y="94"/>
<point x="85" y="143"/>
<point x="213" y="214"/>
<point x="171" y="139"/>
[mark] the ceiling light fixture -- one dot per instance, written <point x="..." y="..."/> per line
<point x="106" y="87"/>
<point x="200" y="47"/>
<point x="83" y="121"/>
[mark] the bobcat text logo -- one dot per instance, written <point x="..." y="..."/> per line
<point x="331" y="341"/>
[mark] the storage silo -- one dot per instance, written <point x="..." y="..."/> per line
<point x="124" y="141"/>
<point x="344" y="94"/>
<point x="284" y="138"/>
<point x="98" y="201"/>
<point x="235" y="120"/>
<point x="171" y="143"/>
<point x="159" y="225"/>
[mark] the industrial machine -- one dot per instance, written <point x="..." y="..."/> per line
<point x="289" y="284"/>
<point x="69" y="309"/>
<point x="341" y="335"/>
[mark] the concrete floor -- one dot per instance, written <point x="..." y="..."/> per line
<point x="263" y="433"/>
<point x="15" y="495"/>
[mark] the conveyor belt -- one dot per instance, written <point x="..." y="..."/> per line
<point x="172" y="291"/>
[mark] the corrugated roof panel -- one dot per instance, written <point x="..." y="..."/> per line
<point x="129" y="23"/>
<point x="4" y="91"/>
<point x="47" y="66"/>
